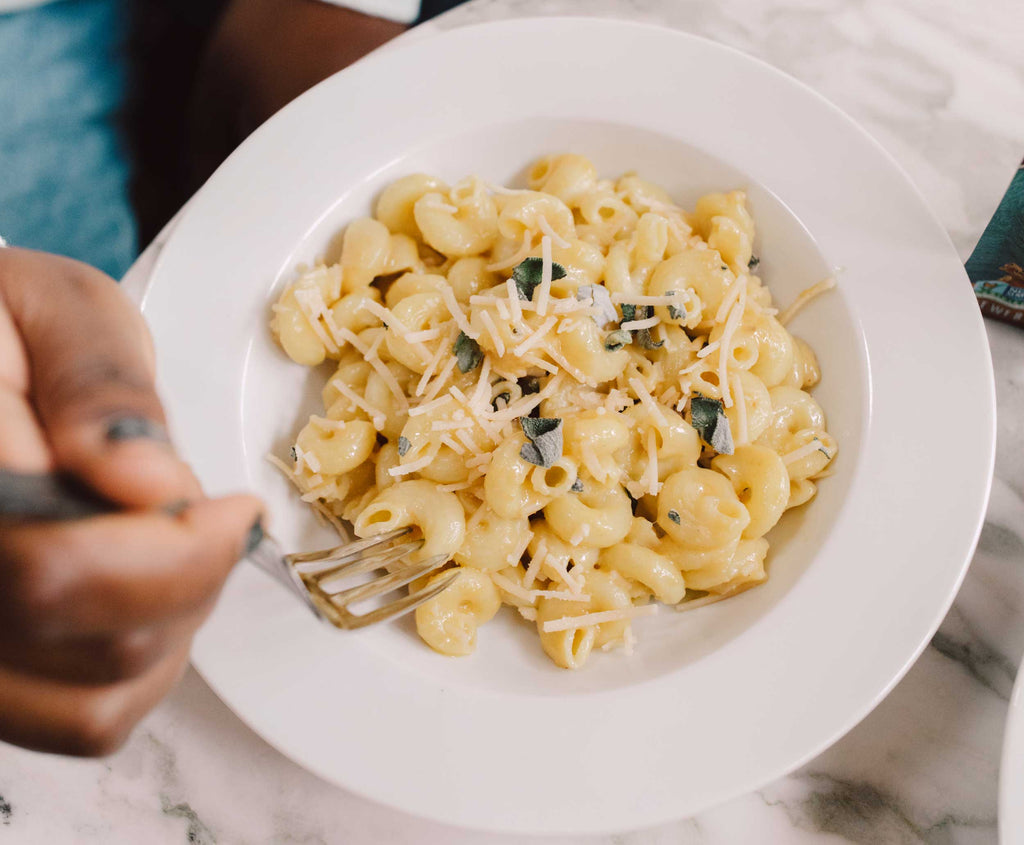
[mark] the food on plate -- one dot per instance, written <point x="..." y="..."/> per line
<point x="579" y="392"/>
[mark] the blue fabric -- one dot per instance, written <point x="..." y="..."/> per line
<point x="64" y="169"/>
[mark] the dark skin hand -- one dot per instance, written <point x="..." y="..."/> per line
<point x="262" y="55"/>
<point x="96" y="615"/>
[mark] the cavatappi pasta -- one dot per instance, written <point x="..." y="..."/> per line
<point x="580" y="393"/>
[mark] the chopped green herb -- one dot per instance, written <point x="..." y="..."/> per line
<point x="724" y="267"/>
<point x="676" y="312"/>
<point x="545" y="440"/>
<point x="577" y="485"/>
<point x="708" y="417"/>
<point x="294" y="454"/>
<point x="503" y="396"/>
<point x="617" y="339"/>
<point x="754" y="261"/>
<point x="632" y="312"/>
<point x="601" y="300"/>
<point x="527" y="275"/>
<point x="468" y="352"/>
<point x="674" y="516"/>
<point x="403" y="446"/>
<point x="825" y="452"/>
<point x="529" y="384"/>
<point x="645" y="340"/>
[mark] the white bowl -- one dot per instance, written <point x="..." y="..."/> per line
<point x="715" y="702"/>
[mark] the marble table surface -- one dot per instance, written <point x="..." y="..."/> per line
<point x="940" y="83"/>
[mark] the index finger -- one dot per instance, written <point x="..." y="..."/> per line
<point x="122" y="571"/>
<point x="91" y="379"/>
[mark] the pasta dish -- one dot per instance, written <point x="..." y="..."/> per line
<point x="580" y="393"/>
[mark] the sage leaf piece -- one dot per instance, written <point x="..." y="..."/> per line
<point x="577" y="486"/>
<point x="504" y="396"/>
<point x="528" y="272"/>
<point x="676" y="312"/>
<point x="617" y="339"/>
<point x="708" y="417"/>
<point x="674" y="516"/>
<point x="754" y="261"/>
<point x="544" y="436"/>
<point x="294" y="454"/>
<point x="467" y="352"/>
<point x="403" y="446"/>
<point x="645" y="340"/>
<point x="529" y="384"/>
<point x="600" y="299"/>
<point x="632" y="312"/>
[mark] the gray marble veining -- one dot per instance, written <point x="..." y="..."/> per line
<point x="940" y="84"/>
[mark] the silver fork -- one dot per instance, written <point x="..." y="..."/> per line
<point x="318" y="577"/>
<point x="315" y="577"/>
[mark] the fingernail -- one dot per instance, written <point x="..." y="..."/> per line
<point x="135" y="428"/>
<point x="255" y="537"/>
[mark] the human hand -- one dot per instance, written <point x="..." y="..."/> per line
<point x="96" y="615"/>
<point x="262" y="55"/>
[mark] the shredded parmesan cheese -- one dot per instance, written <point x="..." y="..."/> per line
<point x="536" y="337"/>
<point x="556" y="356"/>
<point x="805" y="297"/>
<point x="428" y="407"/>
<point x="581" y="535"/>
<point x="425" y="335"/>
<point x="452" y="304"/>
<point x="707" y="350"/>
<point x="375" y="414"/>
<point x="731" y="294"/>
<point x="513" y="557"/>
<point x="514" y="304"/>
<point x="457" y="448"/>
<point x="511" y="587"/>
<point x="638" y="299"/>
<point x="807" y="449"/>
<point x="565" y="595"/>
<point x="636" y="325"/>
<point x="556" y="239"/>
<point x="311" y="304"/>
<point x="725" y="352"/>
<point x="742" y="434"/>
<point x="431" y="368"/>
<point x="644" y="395"/>
<point x="513" y="260"/>
<point x="571" y="623"/>
<point x="413" y="466"/>
<point x="536" y="562"/>
<point x="492" y="330"/>
<point x="651" y="473"/>
<point x="441" y="380"/>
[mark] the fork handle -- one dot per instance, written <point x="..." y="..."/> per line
<point x="48" y="496"/>
<point x="267" y="556"/>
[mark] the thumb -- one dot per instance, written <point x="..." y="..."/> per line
<point x="91" y="379"/>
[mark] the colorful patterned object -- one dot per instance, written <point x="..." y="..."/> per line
<point x="995" y="266"/>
